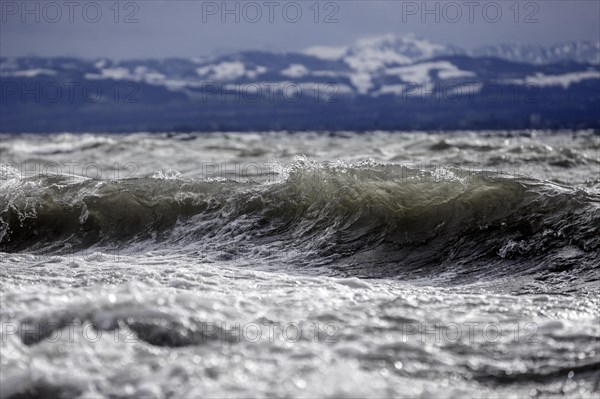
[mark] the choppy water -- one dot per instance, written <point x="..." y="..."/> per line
<point x="460" y="264"/>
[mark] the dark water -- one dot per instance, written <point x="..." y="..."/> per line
<point x="409" y="264"/>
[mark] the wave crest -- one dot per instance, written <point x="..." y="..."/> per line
<point x="380" y="218"/>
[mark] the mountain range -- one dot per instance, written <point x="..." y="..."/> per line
<point x="386" y="82"/>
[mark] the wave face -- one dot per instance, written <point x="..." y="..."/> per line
<point x="410" y="264"/>
<point x="365" y="218"/>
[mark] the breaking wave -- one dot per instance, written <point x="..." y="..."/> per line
<point x="365" y="219"/>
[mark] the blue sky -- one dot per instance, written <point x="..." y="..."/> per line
<point x="156" y="28"/>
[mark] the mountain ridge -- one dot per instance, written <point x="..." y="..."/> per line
<point x="381" y="83"/>
<point x="581" y="51"/>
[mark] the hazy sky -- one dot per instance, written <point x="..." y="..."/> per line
<point x="157" y="28"/>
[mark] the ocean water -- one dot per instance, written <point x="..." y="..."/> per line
<point x="406" y="264"/>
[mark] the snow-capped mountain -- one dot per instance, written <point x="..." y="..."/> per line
<point x="384" y="82"/>
<point x="371" y="55"/>
<point x="375" y="51"/>
<point x="371" y="66"/>
<point x="584" y="52"/>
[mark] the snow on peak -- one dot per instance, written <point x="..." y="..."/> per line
<point x="328" y="53"/>
<point x="407" y="43"/>
<point x="565" y="80"/>
<point x="422" y="73"/>
<point x="29" y="73"/>
<point x="101" y="63"/>
<point x="374" y="53"/>
<point x="140" y="74"/>
<point x="376" y="40"/>
<point x="370" y="56"/>
<point x="582" y="51"/>
<point x="227" y="71"/>
<point x="295" y="71"/>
